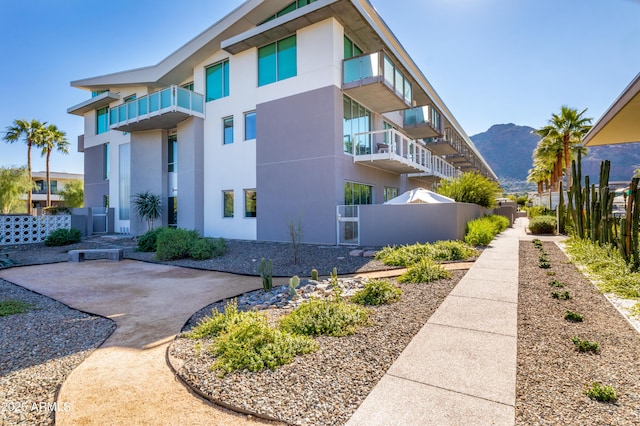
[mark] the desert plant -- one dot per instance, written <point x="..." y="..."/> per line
<point x="5" y="261"/>
<point x="565" y="295"/>
<point x="423" y="271"/>
<point x="12" y="307"/>
<point x="147" y="242"/>
<point x="295" y="235"/>
<point x="266" y="274"/>
<point x="453" y="250"/>
<point x="573" y="316"/>
<point x="544" y="264"/>
<point x="537" y="243"/>
<point x="202" y="249"/>
<point x="481" y="231"/>
<point x="217" y="322"/>
<point x="148" y="206"/>
<point x="601" y="393"/>
<point x="471" y="188"/>
<point x="175" y="243"/>
<point x="62" y="237"/>
<point x="314" y="274"/>
<point x="377" y="292"/>
<point x="325" y="317"/>
<point x="407" y="255"/>
<point x="543" y="225"/>
<point x="294" y="282"/>
<point x="556" y="283"/>
<point x="583" y="345"/>
<point x="551" y="273"/>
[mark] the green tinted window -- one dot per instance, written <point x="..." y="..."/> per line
<point x="249" y="203"/>
<point x="227" y="200"/>
<point x="277" y="61"/>
<point x="287" y="58"/>
<point x="227" y="125"/>
<point x="217" y="81"/>
<point x="102" y="120"/>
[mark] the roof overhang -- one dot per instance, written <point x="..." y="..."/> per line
<point x="621" y="122"/>
<point x="100" y="101"/>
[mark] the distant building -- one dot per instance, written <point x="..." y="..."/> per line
<point x="58" y="182"/>
<point x="281" y="111"/>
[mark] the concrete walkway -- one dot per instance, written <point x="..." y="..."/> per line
<point x="127" y="380"/>
<point x="460" y="369"/>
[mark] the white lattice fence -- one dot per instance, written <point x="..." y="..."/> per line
<point x="30" y="229"/>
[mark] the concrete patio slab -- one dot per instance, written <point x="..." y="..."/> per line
<point x="397" y="401"/>
<point x="474" y="363"/>
<point x="478" y="314"/>
<point x="492" y="274"/>
<point x="492" y="290"/>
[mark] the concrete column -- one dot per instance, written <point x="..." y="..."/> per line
<point x="191" y="174"/>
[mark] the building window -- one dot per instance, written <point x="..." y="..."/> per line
<point x="249" y="125"/>
<point x="172" y="154"/>
<point x="227" y="130"/>
<point x="277" y="61"/>
<point x="390" y="193"/>
<point x="106" y="161"/>
<point x="351" y="49"/>
<point x="227" y="203"/>
<point x="53" y="187"/>
<point x="249" y="203"/>
<point x="102" y="120"/>
<point x="356" y="119"/>
<point x="188" y="86"/>
<point x="357" y="193"/>
<point x="217" y="81"/>
<point x="124" y="181"/>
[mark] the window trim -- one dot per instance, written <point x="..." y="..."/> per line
<point x="246" y="212"/>
<point x="255" y="129"/>
<point x="224" y="128"/>
<point x="225" y="82"/>
<point x="224" y="204"/>
<point x="106" y="115"/>
<point x="276" y="53"/>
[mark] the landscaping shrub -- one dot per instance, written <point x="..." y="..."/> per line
<point x="147" y="241"/>
<point x="453" y="250"/>
<point x="556" y="283"/>
<point x="481" y="231"/>
<point x="535" y="211"/>
<point x="471" y="188"/>
<point x="601" y="393"/>
<point x="206" y="248"/>
<point x="423" y="271"/>
<point x="62" y="237"/>
<point x="12" y="307"/>
<point x="573" y="316"/>
<point x="325" y="317"/>
<point x="543" y="225"/>
<point x="377" y="292"/>
<point x="585" y="345"/>
<point x="175" y="243"/>
<point x="565" y="295"/>
<point x="404" y="255"/>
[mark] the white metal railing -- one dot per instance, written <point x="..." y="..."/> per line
<point x="391" y="144"/>
<point x="172" y="98"/>
<point x="443" y="169"/>
<point x="30" y="229"/>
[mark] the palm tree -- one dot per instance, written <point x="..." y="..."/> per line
<point x="31" y="132"/>
<point x="569" y="127"/>
<point x="52" y="138"/>
<point x="148" y="206"/>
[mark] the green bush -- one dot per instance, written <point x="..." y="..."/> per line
<point x="325" y="317"/>
<point x="175" y="243"/>
<point x="12" y="307"/>
<point x="147" y="241"/>
<point x="481" y="231"/>
<point x="543" y="225"/>
<point x="62" y="237"/>
<point x="556" y="283"/>
<point x="424" y="271"/>
<point x="410" y="254"/>
<point x="565" y="295"/>
<point x="585" y="345"/>
<point x="471" y="188"/>
<point x="538" y="211"/>
<point x="377" y="292"/>
<point x="206" y="248"/>
<point x="573" y="316"/>
<point x="453" y="250"/>
<point x="601" y="393"/>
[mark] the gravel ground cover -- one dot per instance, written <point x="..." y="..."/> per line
<point x="327" y="386"/>
<point x="552" y="375"/>
<point x="38" y="349"/>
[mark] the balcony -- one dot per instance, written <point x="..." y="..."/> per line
<point x="159" y="110"/>
<point x="390" y="150"/>
<point x="376" y="82"/>
<point x="450" y="144"/>
<point x="423" y="122"/>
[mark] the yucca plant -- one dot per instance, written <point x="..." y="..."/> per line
<point x="148" y="206"/>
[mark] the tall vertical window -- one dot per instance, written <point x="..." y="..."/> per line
<point x="124" y="181"/>
<point x="277" y="61"/>
<point x="227" y="203"/>
<point x="357" y="193"/>
<point x="351" y="49"/>
<point x="390" y="193"/>
<point x="172" y="169"/>
<point x="102" y="120"/>
<point x="217" y="81"/>
<point x="172" y="154"/>
<point x="106" y="161"/>
<point x="249" y="125"/>
<point x="249" y="203"/>
<point x="227" y="130"/>
<point x="356" y="119"/>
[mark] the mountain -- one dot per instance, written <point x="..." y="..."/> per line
<point x="508" y="149"/>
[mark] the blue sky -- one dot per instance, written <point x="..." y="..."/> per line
<point x="491" y="61"/>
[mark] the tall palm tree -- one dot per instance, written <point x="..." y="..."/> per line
<point x="548" y="156"/>
<point x="52" y="138"/>
<point x="570" y="126"/>
<point x="31" y="132"/>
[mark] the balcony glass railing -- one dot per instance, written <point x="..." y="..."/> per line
<point x="379" y="66"/>
<point x="172" y="98"/>
<point x="423" y="115"/>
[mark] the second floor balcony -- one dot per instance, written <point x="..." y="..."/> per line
<point x="423" y="122"/>
<point x="163" y="109"/>
<point x="376" y="82"/>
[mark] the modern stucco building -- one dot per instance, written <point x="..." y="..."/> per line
<point x="281" y="111"/>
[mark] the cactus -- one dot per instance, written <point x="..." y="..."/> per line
<point x="314" y="274"/>
<point x="266" y="274"/>
<point x="293" y="283"/>
<point x="337" y="290"/>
